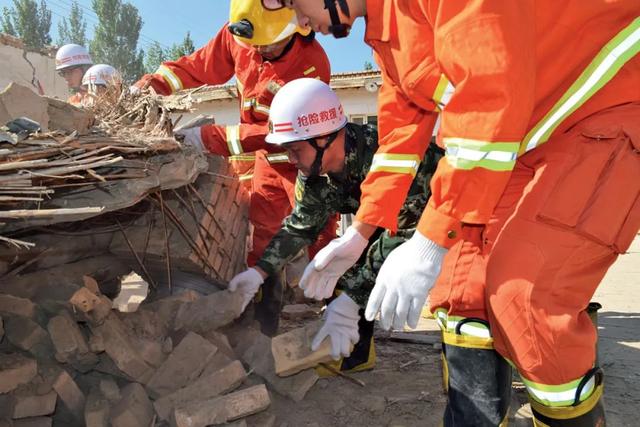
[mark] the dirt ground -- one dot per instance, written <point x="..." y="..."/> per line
<point x="405" y="388"/>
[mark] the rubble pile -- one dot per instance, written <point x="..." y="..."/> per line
<point x="69" y="356"/>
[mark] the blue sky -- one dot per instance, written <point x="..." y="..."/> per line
<point x="168" y="21"/>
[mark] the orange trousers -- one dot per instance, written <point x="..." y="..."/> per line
<point x="272" y="200"/>
<point x="570" y="208"/>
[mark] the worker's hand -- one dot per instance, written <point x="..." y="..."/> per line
<point x="192" y="137"/>
<point x="134" y="90"/>
<point x="404" y="281"/>
<point x="340" y="325"/>
<point x="330" y="263"/>
<point x="247" y="283"/>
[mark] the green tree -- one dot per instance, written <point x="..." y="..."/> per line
<point x="74" y="28"/>
<point x="116" y="37"/>
<point x="30" y="22"/>
<point x="178" y="50"/>
<point x="368" y="66"/>
<point x="154" y="57"/>
<point x="6" y="22"/>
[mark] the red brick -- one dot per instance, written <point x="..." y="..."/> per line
<point x="122" y="350"/>
<point x="33" y="422"/>
<point x="224" y="408"/>
<point x="67" y="338"/>
<point x="96" y="410"/>
<point x="30" y="404"/>
<point x="205" y="387"/>
<point x="16" y="369"/>
<point x="18" y="306"/>
<point x="70" y="395"/>
<point x="134" y="408"/>
<point x="184" y="365"/>
<point x="24" y="333"/>
<point x="84" y="300"/>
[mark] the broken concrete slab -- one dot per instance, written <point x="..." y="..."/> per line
<point x="210" y="312"/>
<point x="259" y="357"/>
<point x="70" y="394"/>
<point x="183" y="365"/>
<point x="10" y="304"/>
<point x="27" y="403"/>
<point x="133" y="409"/>
<point x="298" y="312"/>
<point x="292" y="350"/>
<point x="205" y="387"/>
<point x="16" y="369"/>
<point x="121" y="349"/>
<point x="96" y="410"/>
<point x="219" y="410"/>
<point x="133" y="290"/>
<point x="20" y="101"/>
<point x="24" y="333"/>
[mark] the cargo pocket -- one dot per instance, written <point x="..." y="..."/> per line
<point x="598" y="195"/>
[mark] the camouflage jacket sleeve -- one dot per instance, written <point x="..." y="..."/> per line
<point x="315" y="201"/>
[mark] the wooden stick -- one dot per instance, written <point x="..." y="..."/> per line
<point x="343" y="375"/>
<point x="43" y="213"/>
<point x="61" y="170"/>
<point x="144" y="269"/>
<point x="20" y="199"/>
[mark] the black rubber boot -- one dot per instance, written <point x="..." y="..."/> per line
<point x="478" y="384"/>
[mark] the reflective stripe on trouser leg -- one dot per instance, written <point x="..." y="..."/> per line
<point x="478" y="379"/>
<point x="582" y="413"/>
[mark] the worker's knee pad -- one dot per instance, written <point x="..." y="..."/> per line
<point x="477" y="379"/>
<point x="570" y="405"/>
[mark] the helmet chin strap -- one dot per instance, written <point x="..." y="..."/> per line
<point x="317" y="162"/>
<point x="337" y="28"/>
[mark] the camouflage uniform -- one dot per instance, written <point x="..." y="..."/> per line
<point x="318" y="198"/>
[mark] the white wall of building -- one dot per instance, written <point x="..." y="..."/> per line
<point x="14" y="68"/>
<point x="358" y="102"/>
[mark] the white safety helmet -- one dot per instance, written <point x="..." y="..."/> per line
<point x="101" y="74"/>
<point x="304" y="109"/>
<point x="72" y="55"/>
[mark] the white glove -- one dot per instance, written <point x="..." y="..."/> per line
<point x="341" y="325"/>
<point x="247" y="283"/>
<point x="134" y="90"/>
<point x="330" y="263"/>
<point x="404" y="281"/>
<point x="192" y="137"/>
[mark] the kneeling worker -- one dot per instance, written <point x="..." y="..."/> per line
<point x="333" y="158"/>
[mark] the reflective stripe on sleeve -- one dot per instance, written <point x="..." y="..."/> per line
<point x="624" y="46"/>
<point x="469" y="154"/>
<point x="396" y="163"/>
<point x="233" y="139"/>
<point x="170" y="77"/>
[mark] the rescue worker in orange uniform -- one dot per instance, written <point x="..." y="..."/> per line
<point x="263" y="50"/>
<point x="72" y="62"/>
<point x="537" y="196"/>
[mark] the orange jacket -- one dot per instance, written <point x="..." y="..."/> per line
<point x="257" y="81"/>
<point x="510" y="63"/>
<point x="77" y="99"/>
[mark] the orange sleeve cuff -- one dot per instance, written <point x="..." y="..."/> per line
<point x="440" y="228"/>
<point x="373" y="214"/>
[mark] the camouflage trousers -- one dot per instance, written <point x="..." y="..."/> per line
<point x="359" y="280"/>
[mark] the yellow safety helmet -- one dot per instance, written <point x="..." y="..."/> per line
<point x="251" y="22"/>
